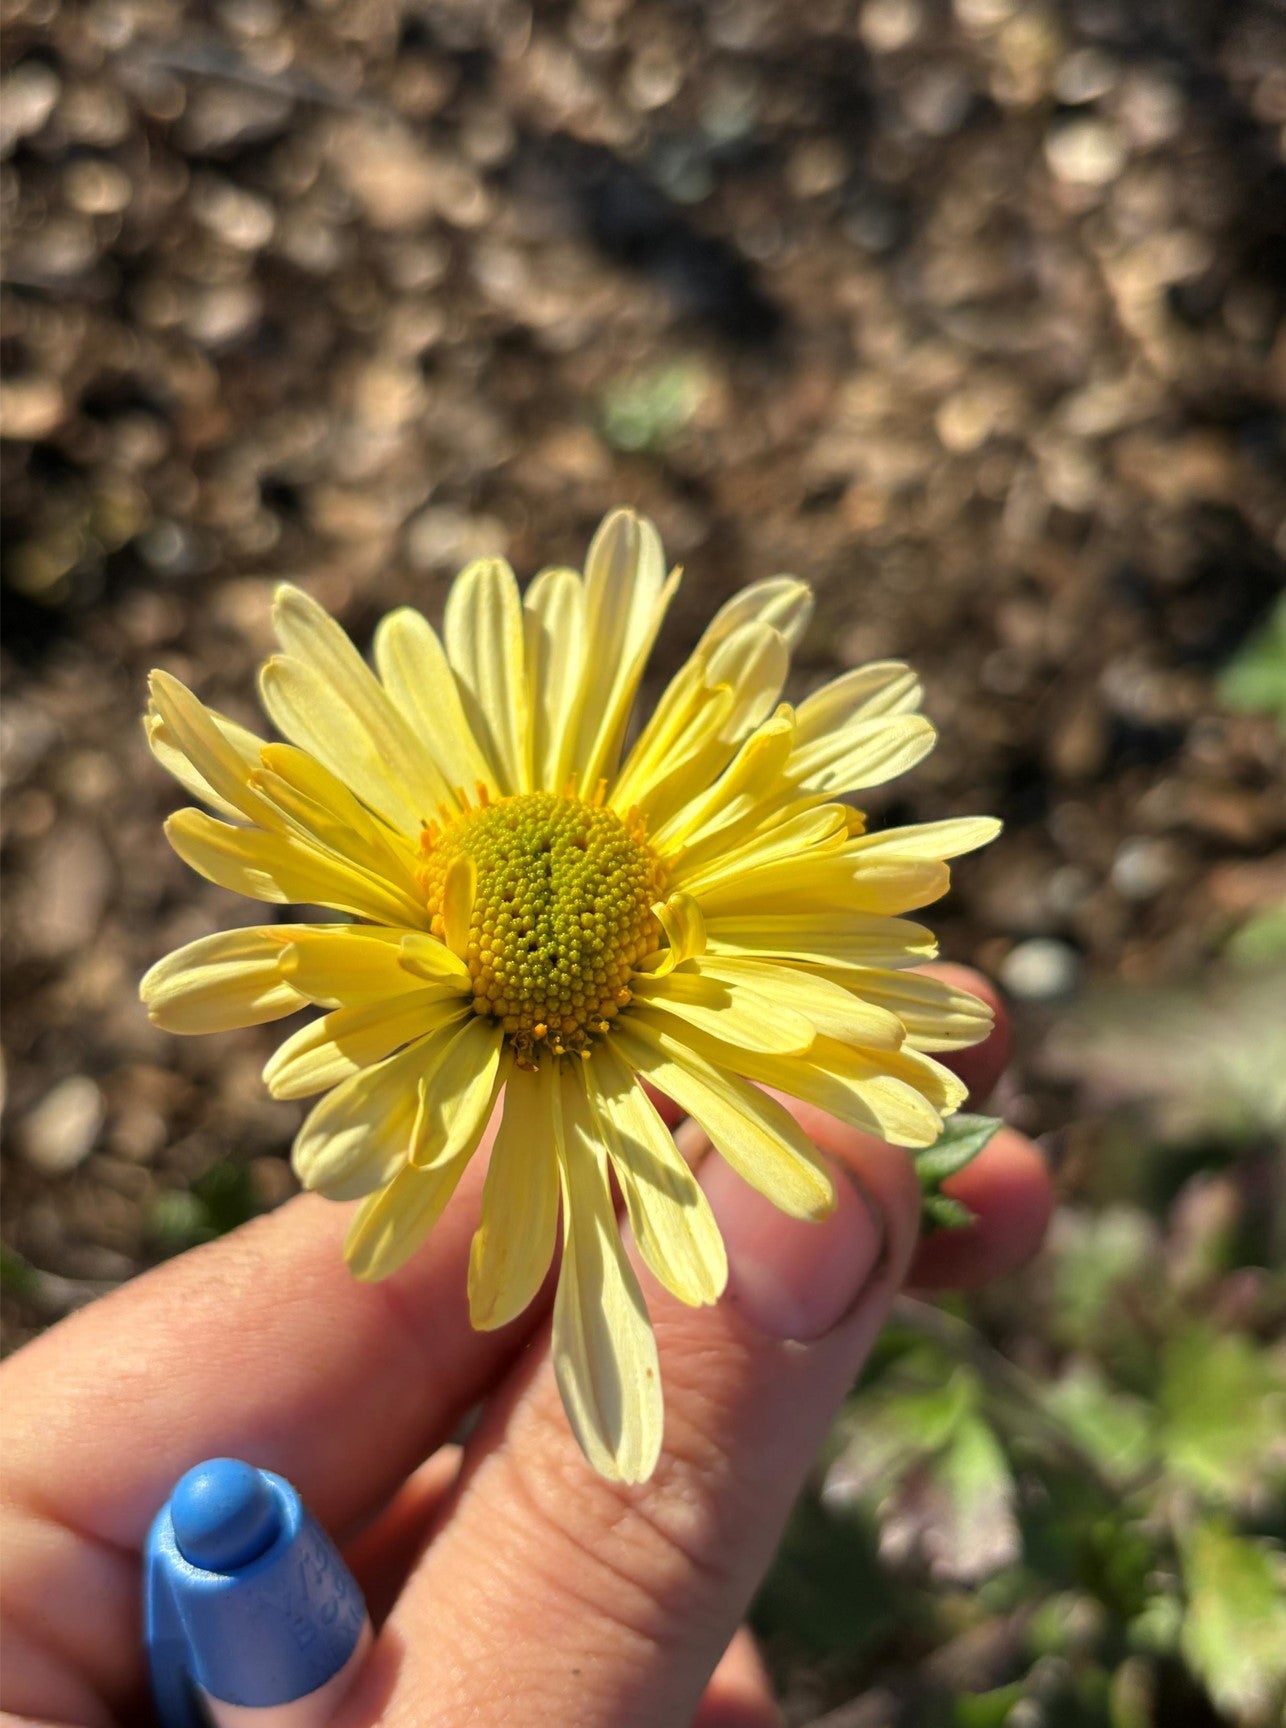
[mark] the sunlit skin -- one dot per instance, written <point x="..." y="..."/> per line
<point x="543" y="1588"/>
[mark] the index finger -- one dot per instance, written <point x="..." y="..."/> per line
<point x="261" y="1345"/>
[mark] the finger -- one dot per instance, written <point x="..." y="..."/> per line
<point x="587" y="1599"/>
<point x="980" y="1066"/>
<point x="382" y="1555"/>
<point x="739" y="1694"/>
<point x="1007" y="1188"/>
<point x="261" y="1345"/>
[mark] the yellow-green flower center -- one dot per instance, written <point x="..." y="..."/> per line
<point x="561" y="914"/>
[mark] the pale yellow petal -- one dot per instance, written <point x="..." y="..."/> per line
<point x="393" y="1223"/>
<point x="727" y="686"/>
<point x="340" y="1044"/>
<point x="359" y="1136"/>
<point x="343" y="965"/>
<point x="937" y="1016"/>
<point x="867" y="692"/>
<point x="680" y="918"/>
<point x="668" y="1211"/>
<point x="459" y="891"/>
<point x="834" y="1011"/>
<point x="484" y="642"/>
<point x="458" y="1093"/>
<point x="691" y="716"/>
<point x="513" y="1245"/>
<point x="414" y="668"/>
<point x="831" y="881"/>
<point x="312" y="713"/>
<point x="428" y="958"/>
<point x="174" y="760"/>
<point x="220" y="760"/>
<point x="899" y="1095"/>
<point x="346" y="717"/>
<point x="759" y="1138"/>
<point x="822" y="937"/>
<point x="731" y="1012"/>
<point x="604" y="1353"/>
<point x="681" y="781"/>
<point x="319" y="809"/>
<point x="626" y="595"/>
<point x="864" y="753"/>
<point x="930" y="840"/>
<point x="554" y="616"/>
<point x="748" y="786"/>
<point x="284" y="870"/>
<point x="782" y="601"/>
<point x="221" y="982"/>
<point x="814" y="833"/>
<point x="752" y="661"/>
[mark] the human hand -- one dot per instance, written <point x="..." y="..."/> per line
<point x="510" y="1583"/>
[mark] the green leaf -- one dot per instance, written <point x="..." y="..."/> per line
<point x="959" y="1144"/>
<point x="1254" y="680"/>
<point x="826" y="1591"/>
<point x="941" y="1212"/>
<point x="221" y="1199"/>
<point x="974" y="1532"/>
<point x="988" y="1709"/>
<point x="18" y="1277"/>
<point x="929" y="1464"/>
<point x="1260" y="940"/>
<point x="1115" y="1428"/>
<point x="1222" y="1408"/>
<point x="1157" y="1628"/>
<point x="1234" y="1636"/>
<point x="647" y="410"/>
<point x="1106" y="1269"/>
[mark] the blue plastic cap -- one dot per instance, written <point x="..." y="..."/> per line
<point x="224" y="1515"/>
<point x="245" y="1596"/>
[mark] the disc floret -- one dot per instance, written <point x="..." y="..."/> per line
<point x="562" y="914"/>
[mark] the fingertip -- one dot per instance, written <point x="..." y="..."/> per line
<point x="1008" y="1189"/>
<point x="883" y="1173"/>
<point x="740" y="1693"/>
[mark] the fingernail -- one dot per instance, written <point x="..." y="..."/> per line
<point x="790" y="1278"/>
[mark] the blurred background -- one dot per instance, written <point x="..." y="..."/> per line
<point x="969" y="314"/>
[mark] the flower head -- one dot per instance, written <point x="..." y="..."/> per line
<point x="535" y="910"/>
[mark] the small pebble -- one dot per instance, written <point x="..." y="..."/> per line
<point x="887" y="25"/>
<point x="1085" y="76"/>
<point x="59" y="1133"/>
<point x="1085" y="152"/>
<point x="28" y="97"/>
<point x="1041" y="970"/>
<point x="1142" y="868"/>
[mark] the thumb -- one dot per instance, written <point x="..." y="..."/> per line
<point x="599" y="1604"/>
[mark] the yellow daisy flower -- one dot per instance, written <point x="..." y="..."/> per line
<point x="537" y="910"/>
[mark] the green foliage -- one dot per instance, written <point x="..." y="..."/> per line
<point x="827" y="1594"/>
<point x="1260" y="940"/>
<point x="1222" y="1406"/>
<point x="1254" y="680"/>
<point x="1117" y="1430"/>
<point x="646" y="410"/>
<point x="922" y="1452"/>
<point x="18" y="1277"/>
<point x="959" y="1143"/>
<point x="1234" y="1635"/>
<point x="218" y="1201"/>
<point x="1094" y="1543"/>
